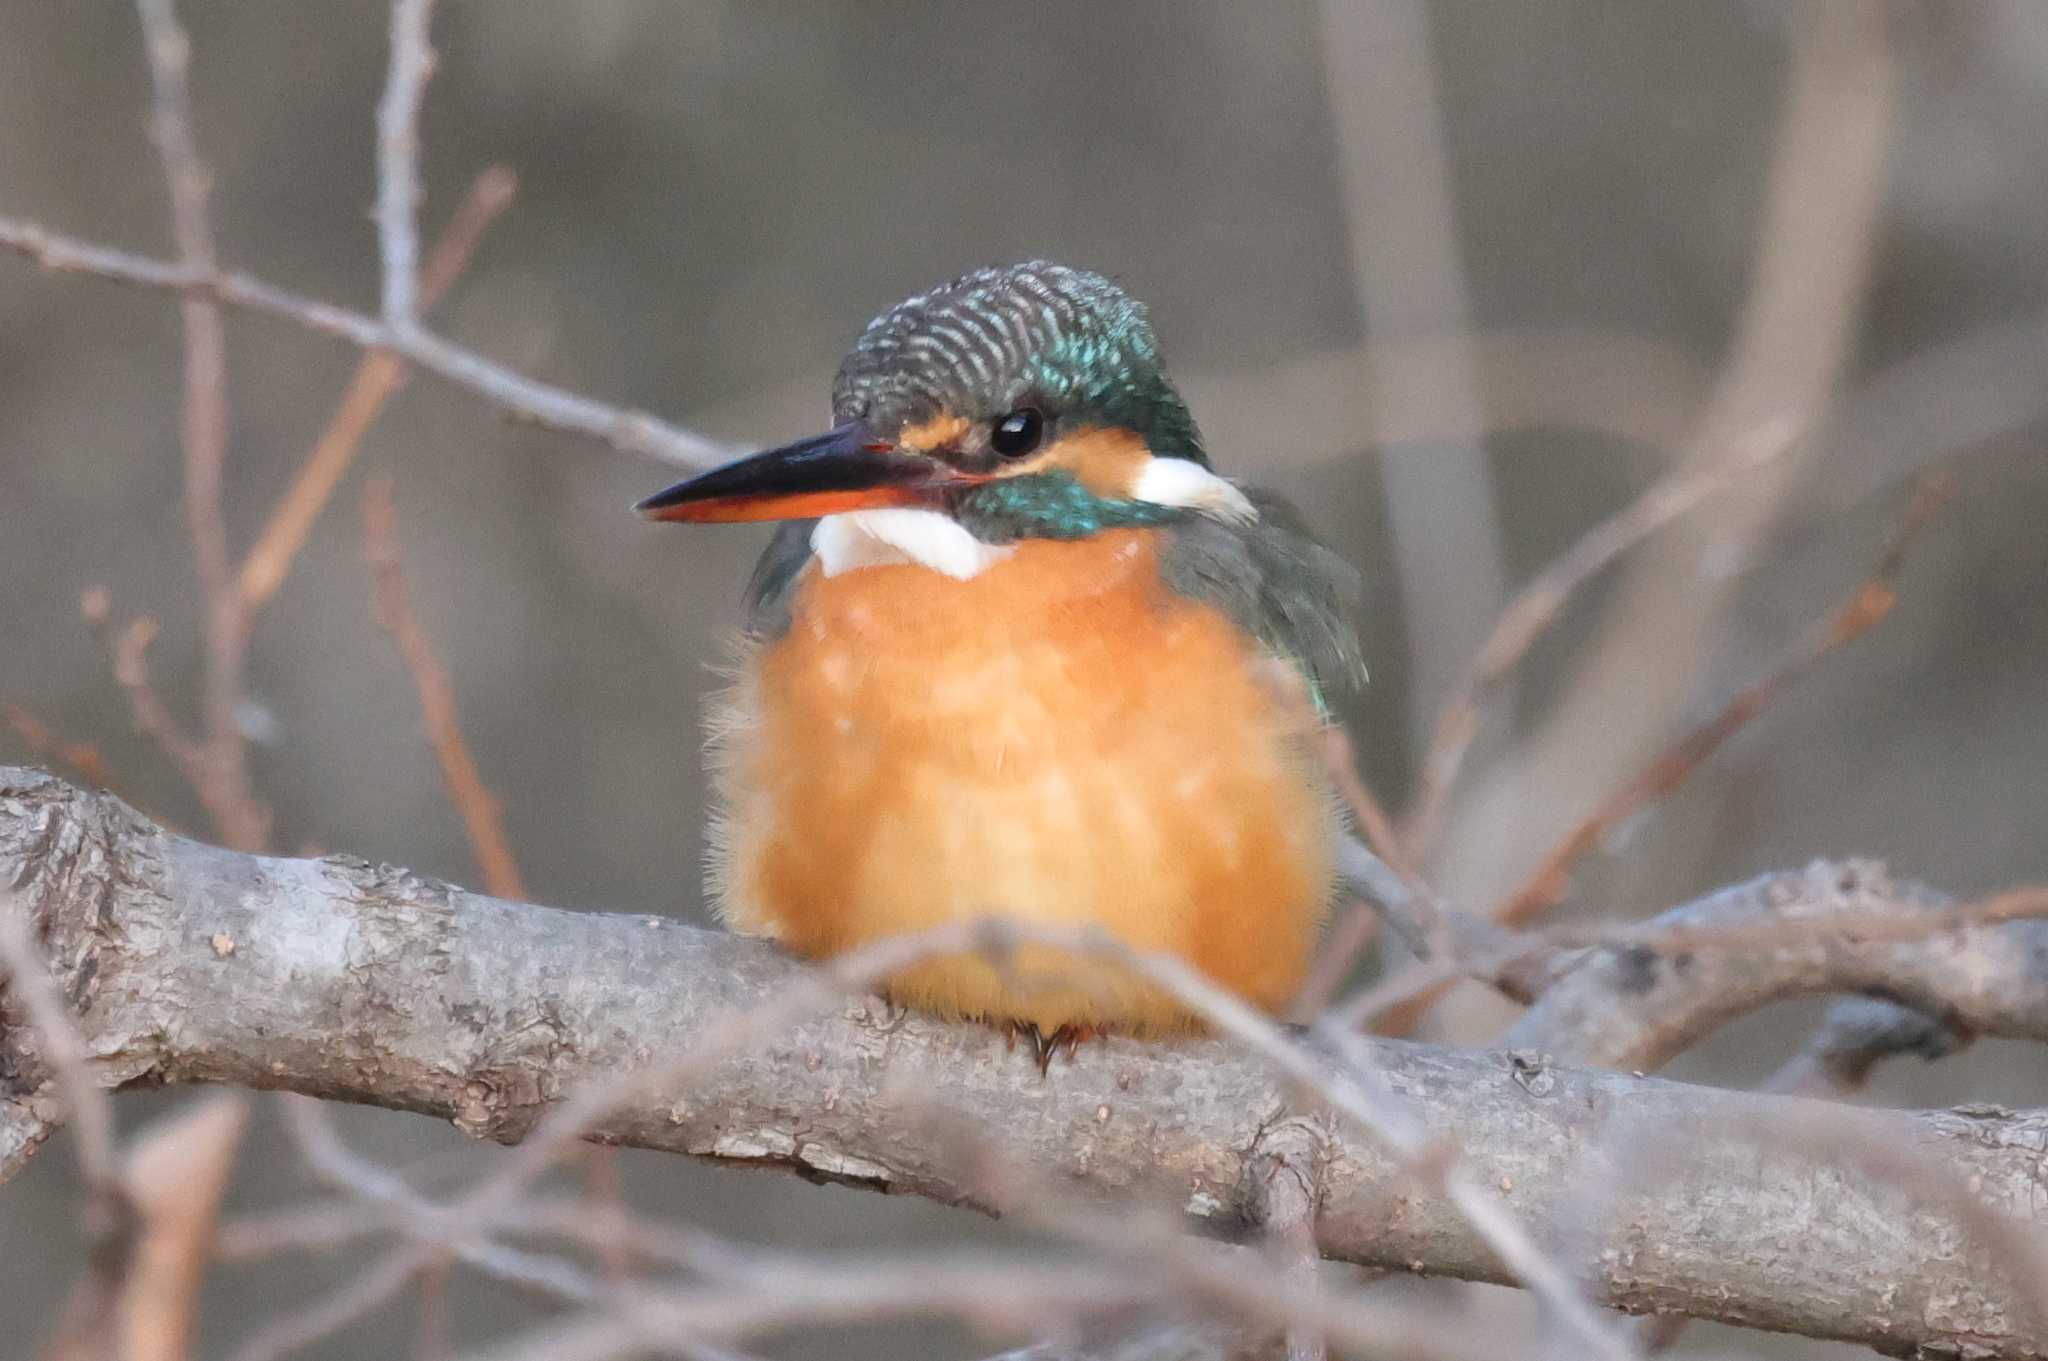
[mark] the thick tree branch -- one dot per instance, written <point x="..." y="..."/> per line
<point x="343" y="980"/>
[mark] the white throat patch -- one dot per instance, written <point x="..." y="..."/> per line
<point x="875" y="538"/>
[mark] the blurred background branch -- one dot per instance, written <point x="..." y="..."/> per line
<point x="1454" y="277"/>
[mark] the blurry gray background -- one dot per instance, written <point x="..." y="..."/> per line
<point x="715" y="197"/>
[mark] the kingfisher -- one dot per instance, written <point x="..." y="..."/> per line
<point x="1019" y="651"/>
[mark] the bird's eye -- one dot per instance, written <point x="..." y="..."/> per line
<point x="1018" y="433"/>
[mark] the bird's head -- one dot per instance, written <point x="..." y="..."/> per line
<point x="1026" y="401"/>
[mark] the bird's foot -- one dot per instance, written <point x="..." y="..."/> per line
<point x="894" y="1014"/>
<point x="1044" y="1048"/>
<point x="1066" y="1037"/>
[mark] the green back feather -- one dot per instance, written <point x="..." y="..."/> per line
<point x="1279" y="585"/>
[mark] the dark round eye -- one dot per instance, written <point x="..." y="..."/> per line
<point x="1018" y="433"/>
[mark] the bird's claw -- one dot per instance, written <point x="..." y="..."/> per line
<point x="1044" y="1048"/>
<point x="1067" y="1037"/>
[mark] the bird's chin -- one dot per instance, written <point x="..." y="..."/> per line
<point x="891" y="535"/>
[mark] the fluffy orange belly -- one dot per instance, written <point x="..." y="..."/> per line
<point x="1060" y="739"/>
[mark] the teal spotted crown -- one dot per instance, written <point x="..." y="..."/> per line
<point x="1067" y="341"/>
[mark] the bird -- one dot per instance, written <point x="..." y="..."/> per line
<point x="1018" y="650"/>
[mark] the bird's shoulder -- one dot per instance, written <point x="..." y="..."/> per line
<point x="1276" y="581"/>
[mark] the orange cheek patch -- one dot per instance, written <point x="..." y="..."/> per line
<point x="936" y="433"/>
<point x="1105" y="461"/>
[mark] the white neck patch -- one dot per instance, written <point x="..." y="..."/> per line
<point x="876" y="538"/>
<point x="1183" y="482"/>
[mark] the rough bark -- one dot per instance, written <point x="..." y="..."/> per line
<point x="357" y="982"/>
<point x="1637" y="1003"/>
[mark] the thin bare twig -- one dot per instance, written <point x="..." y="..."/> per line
<point x="223" y="766"/>
<point x="362" y="1209"/>
<point x="315" y="1226"/>
<point x="83" y="758"/>
<point x="1395" y="174"/>
<point x="1402" y="1001"/>
<point x="61" y="1050"/>
<point x="430" y="1335"/>
<point x="1796" y="323"/>
<point x="519" y="397"/>
<point x="1276" y="1294"/>
<point x="129" y="649"/>
<point x="604" y="1192"/>
<point x="1341" y="762"/>
<point x="1168" y="1264"/>
<point x="737" y="1270"/>
<point x="1273" y="1289"/>
<point x="330" y="1221"/>
<point x="128" y="653"/>
<point x="86" y="1330"/>
<point x="999" y="1294"/>
<point x="1006" y="1294"/>
<point x="328" y="1315"/>
<point x="1538" y="605"/>
<point x="398" y="149"/>
<point x="378" y="376"/>
<point x="320" y="1144"/>
<point x="479" y="807"/>
<point x="1397" y="893"/>
<point x="176" y="1174"/>
<point x="1866" y="607"/>
<point x="1354" y="926"/>
<point x="1406" y="993"/>
<point x="1856" y="1034"/>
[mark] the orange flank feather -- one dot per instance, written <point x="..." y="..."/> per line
<point x="1060" y="739"/>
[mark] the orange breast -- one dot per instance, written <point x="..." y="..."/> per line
<point x="1061" y="739"/>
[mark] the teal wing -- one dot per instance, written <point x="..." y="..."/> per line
<point x="1279" y="584"/>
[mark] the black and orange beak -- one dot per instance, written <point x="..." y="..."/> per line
<point x="844" y="469"/>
